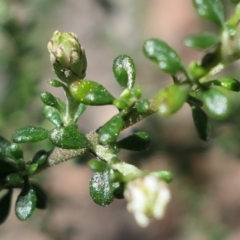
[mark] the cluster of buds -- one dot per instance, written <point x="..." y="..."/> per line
<point x="67" y="57"/>
<point x="147" y="198"/>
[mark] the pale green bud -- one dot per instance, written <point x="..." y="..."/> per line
<point x="67" y="57"/>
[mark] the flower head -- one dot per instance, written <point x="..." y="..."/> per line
<point x="67" y="57"/>
<point x="147" y="198"/>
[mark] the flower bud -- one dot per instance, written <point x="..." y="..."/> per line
<point x="147" y="198"/>
<point x="67" y="57"/>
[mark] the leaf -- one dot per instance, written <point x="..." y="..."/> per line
<point x="170" y="99"/>
<point x="49" y="100"/>
<point x="41" y="196"/>
<point x="97" y="165"/>
<point x="29" y="134"/>
<point x="81" y="109"/>
<point x="166" y="58"/>
<point x="13" y="178"/>
<point x="109" y="132"/>
<point x="53" y="115"/>
<point x="90" y="93"/>
<point x="139" y="141"/>
<point x="26" y="202"/>
<point x="16" y="151"/>
<point x="55" y="83"/>
<point x="216" y="103"/>
<point x="165" y="176"/>
<point x="201" y="123"/>
<point x="143" y="105"/>
<point x="202" y="42"/>
<point x="227" y="83"/>
<point x="101" y="190"/>
<point x="40" y="157"/>
<point x="5" y="206"/>
<point x="124" y="71"/>
<point x="69" y="137"/>
<point x="4" y="147"/>
<point x="211" y="10"/>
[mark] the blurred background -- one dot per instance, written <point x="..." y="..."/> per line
<point x="206" y="188"/>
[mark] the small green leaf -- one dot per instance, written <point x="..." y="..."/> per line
<point x="101" y="190"/>
<point x="53" y="115"/>
<point x="32" y="168"/>
<point x="4" y="147"/>
<point x="40" y="157"/>
<point x="13" y="178"/>
<point x="124" y="71"/>
<point x="202" y="42"/>
<point x="109" y="132"/>
<point x="211" y="10"/>
<point x="69" y="137"/>
<point x="166" y="58"/>
<point x="165" y="176"/>
<point x="90" y="93"/>
<point x="139" y="141"/>
<point x="55" y="83"/>
<point x="26" y="202"/>
<point x="49" y="100"/>
<point x="120" y="104"/>
<point x="137" y="92"/>
<point x="170" y="99"/>
<point x="5" y="206"/>
<point x="201" y="123"/>
<point x="41" y="196"/>
<point x="142" y="106"/>
<point x="16" y="151"/>
<point x="81" y="109"/>
<point x="29" y="134"/>
<point x="97" y="165"/>
<point x="118" y="191"/>
<point x="227" y="83"/>
<point x="216" y="103"/>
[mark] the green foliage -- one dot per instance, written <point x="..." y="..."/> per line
<point x="161" y="53"/>
<point x="109" y="132"/>
<point x="202" y="42"/>
<point x="112" y="176"/>
<point x="201" y="123"/>
<point x="5" y="205"/>
<point x="103" y="190"/>
<point x="29" y="134"/>
<point x="139" y="141"/>
<point x="170" y="99"/>
<point x="68" y="137"/>
<point x="124" y="71"/>
<point x="26" y="202"/>
<point x="90" y="93"/>
<point x="211" y="10"/>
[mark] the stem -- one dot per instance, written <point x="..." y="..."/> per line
<point x="71" y="107"/>
<point x="58" y="155"/>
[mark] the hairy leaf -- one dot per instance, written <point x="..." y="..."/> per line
<point x="26" y="202"/>
<point x="202" y="42"/>
<point x="161" y="53"/>
<point x="90" y="93"/>
<point x="68" y="137"/>
<point x="124" y="71"/>
<point x="5" y="206"/>
<point x="29" y="134"/>
<point x="211" y="10"/>
<point x="201" y="123"/>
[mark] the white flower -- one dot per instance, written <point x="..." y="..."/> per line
<point x="147" y="198"/>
